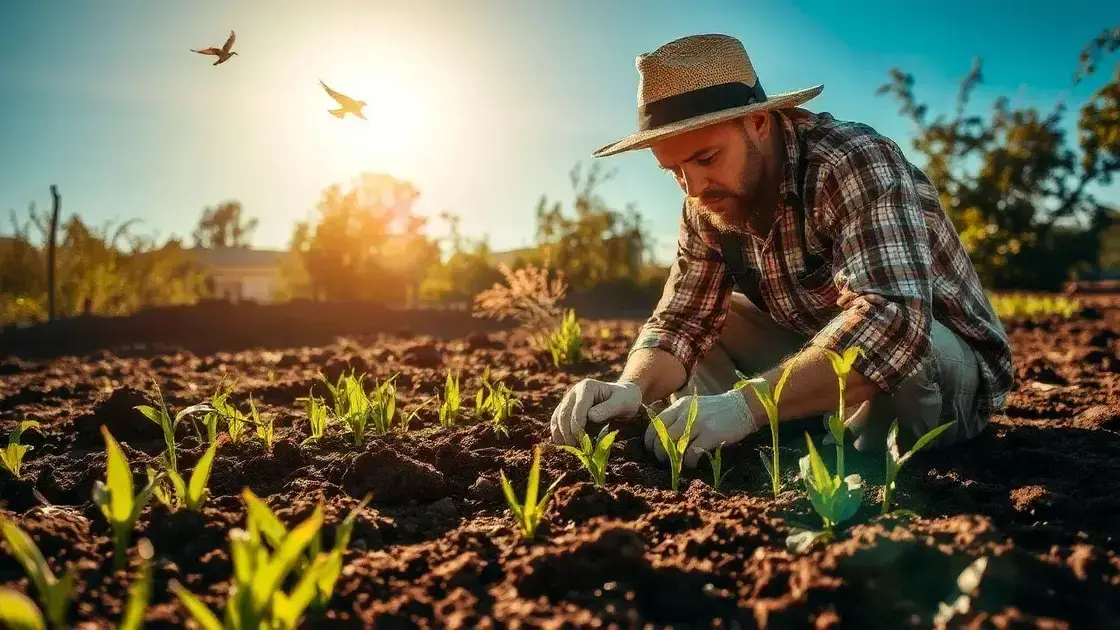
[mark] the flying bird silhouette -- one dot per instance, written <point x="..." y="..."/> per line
<point x="346" y="104"/>
<point x="223" y="53"/>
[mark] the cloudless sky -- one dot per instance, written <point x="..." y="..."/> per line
<point x="484" y="104"/>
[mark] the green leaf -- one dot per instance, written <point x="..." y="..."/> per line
<point x="263" y="520"/>
<point x="29" y="557"/>
<point x="18" y="612"/>
<point x="663" y="434"/>
<point x="924" y="441"/>
<point x="686" y="436"/>
<point x="118" y="479"/>
<point x="847" y="499"/>
<point x="603" y="448"/>
<point x="288" y="609"/>
<point x="533" y="485"/>
<point x="819" y="477"/>
<point x="198" y="611"/>
<point x="140" y="593"/>
<point x="578" y="453"/>
<point x="200" y="476"/>
<point x="190" y="411"/>
<point x="766" y="464"/>
<point x="786" y="371"/>
<point x="892" y="441"/>
<point x="268" y="578"/>
<point x="151" y="413"/>
<point x="761" y="389"/>
<point x="511" y="498"/>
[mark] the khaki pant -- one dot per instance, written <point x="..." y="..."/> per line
<point x="942" y="390"/>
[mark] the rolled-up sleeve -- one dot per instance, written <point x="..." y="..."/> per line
<point x="883" y="263"/>
<point x="693" y="307"/>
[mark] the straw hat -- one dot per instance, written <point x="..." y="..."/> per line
<point x="697" y="81"/>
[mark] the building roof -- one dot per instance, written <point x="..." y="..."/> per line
<point x="237" y="257"/>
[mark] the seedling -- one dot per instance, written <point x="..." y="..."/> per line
<point x="761" y="389"/>
<point x="842" y="366"/>
<point x="895" y="462"/>
<point x="835" y="499"/>
<point x="357" y="410"/>
<point x="162" y="418"/>
<point x="264" y="427"/>
<point x="12" y="457"/>
<point x="218" y="408"/>
<point x="482" y="395"/>
<point x="119" y="506"/>
<point x="54" y="593"/>
<point x="675" y="449"/>
<point x="140" y="593"/>
<point x="383" y="406"/>
<point x="449" y="408"/>
<point x="718" y="474"/>
<point x="18" y="612"/>
<point x="501" y="404"/>
<point x="316" y="417"/>
<point x="565" y="342"/>
<point x="594" y="456"/>
<point x="528" y="514"/>
<point x="177" y="493"/>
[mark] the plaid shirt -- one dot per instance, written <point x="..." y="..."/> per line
<point x="896" y="265"/>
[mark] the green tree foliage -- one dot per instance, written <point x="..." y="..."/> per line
<point x="1017" y="193"/>
<point x="224" y="226"/>
<point x="366" y="244"/>
<point x="469" y="268"/>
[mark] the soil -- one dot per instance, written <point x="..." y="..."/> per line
<point x="1038" y="493"/>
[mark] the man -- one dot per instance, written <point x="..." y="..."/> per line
<point x="830" y="237"/>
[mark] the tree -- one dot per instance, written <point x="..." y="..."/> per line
<point x="224" y="226"/>
<point x="468" y="270"/>
<point x="1016" y="193"/>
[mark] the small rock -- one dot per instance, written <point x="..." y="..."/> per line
<point x="445" y="507"/>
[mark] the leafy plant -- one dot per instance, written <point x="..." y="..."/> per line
<point x="316" y="417"/>
<point x="54" y="593"/>
<point x="761" y="389"/>
<point x="718" y="473"/>
<point x="449" y="408"/>
<point x="383" y="406"/>
<point x="895" y="461"/>
<point x="140" y="593"/>
<point x="162" y="418"/>
<point x="12" y="457"/>
<point x="219" y="408"/>
<point x="528" y="514"/>
<point x="594" y="456"/>
<point x="115" y="499"/>
<point x="357" y="410"/>
<point x="501" y="404"/>
<point x="177" y="493"/>
<point x="565" y="342"/>
<point x="483" y="393"/>
<point x="675" y="449"/>
<point x="835" y="499"/>
<point x="264" y="427"/>
<point x="842" y="366"/>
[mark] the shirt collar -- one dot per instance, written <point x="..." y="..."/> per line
<point x="788" y="186"/>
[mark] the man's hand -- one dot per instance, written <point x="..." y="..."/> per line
<point x="596" y="401"/>
<point x="720" y="418"/>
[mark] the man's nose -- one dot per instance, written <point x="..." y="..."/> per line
<point x="693" y="183"/>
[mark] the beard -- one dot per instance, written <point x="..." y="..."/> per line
<point x="726" y="210"/>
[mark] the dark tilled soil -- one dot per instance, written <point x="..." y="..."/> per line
<point x="1037" y="493"/>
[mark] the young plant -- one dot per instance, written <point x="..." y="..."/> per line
<point x="162" y="418"/>
<point x="761" y="389"/>
<point x="18" y="612"/>
<point x="316" y="417"/>
<point x="528" y="514"/>
<point x="12" y="457"/>
<point x="54" y="593"/>
<point x="483" y="394"/>
<point x="594" y="456"/>
<point x="835" y="499"/>
<point x="115" y="499"/>
<point x="264" y="427"/>
<point x="565" y="342"/>
<point x="718" y="473"/>
<point x="449" y="407"/>
<point x="140" y="593"/>
<point x="177" y="493"/>
<point x="675" y="449"/>
<point x="383" y="407"/>
<point x="501" y="404"/>
<point x="842" y="366"/>
<point x="895" y="461"/>
<point x="219" y="408"/>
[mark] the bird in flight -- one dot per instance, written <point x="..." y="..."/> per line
<point x="223" y="53"/>
<point x="346" y="104"/>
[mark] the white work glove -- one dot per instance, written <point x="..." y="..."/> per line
<point x="722" y="418"/>
<point x="596" y="401"/>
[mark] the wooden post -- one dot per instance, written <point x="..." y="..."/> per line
<point x="56" y="205"/>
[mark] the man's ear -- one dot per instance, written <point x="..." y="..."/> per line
<point x="757" y="125"/>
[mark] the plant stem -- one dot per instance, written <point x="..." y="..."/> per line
<point x="775" y="480"/>
<point x="840" y="438"/>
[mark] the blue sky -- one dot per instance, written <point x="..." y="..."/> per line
<point x="484" y="105"/>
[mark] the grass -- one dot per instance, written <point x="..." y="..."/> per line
<point x="1013" y="305"/>
<point x="527" y="513"/>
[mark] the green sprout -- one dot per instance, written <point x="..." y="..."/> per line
<point x="449" y="408"/>
<point x="357" y="410"/>
<point x="316" y="416"/>
<point x="761" y="389"/>
<point x="528" y="514"/>
<point x="237" y="423"/>
<point x="12" y="457"/>
<point x="162" y="418"/>
<point x="675" y="449"/>
<point x="177" y="493"/>
<point x="501" y="404"/>
<point x="264" y="427"/>
<point x="140" y="593"/>
<point x="115" y="499"/>
<point x="54" y="593"/>
<point x="482" y="395"/>
<point x="834" y="498"/>
<point x="18" y="612"/>
<point x="895" y="461"/>
<point x="565" y="343"/>
<point x="594" y="456"/>
<point x="718" y="473"/>
<point x="842" y="366"/>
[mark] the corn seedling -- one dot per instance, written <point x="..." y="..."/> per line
<point x="264" y="427"/>
<point x="54" y="593"/>
<point x="594" y="456"/>
<point x="895" y="461"/>
<point x="115" y="499"/>
<point x="501" y="404"/>
<point x="718" y="473"/>
<point x="12" y="456"/>
<point x="842" y="366"/>
<point x="528" y="514"/>
<point x="177" y="493"/>
<point x="18" y="612"/>
<point x="835" y="499"/>
<point x="565" y="342"/>
<point x="482" y="395"/>
<point x="449" y="407"/>
<point x="140" y="593"/>
<point x="761" y="389"/>
<point x="256" y="596"/>
<point x="316" y="417"/>
<point x="163" y="419"/>
<point x="219" y="407"/>
<point x="675" y="449"/>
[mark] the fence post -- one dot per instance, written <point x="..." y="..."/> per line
<point x="56" y="205"/>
